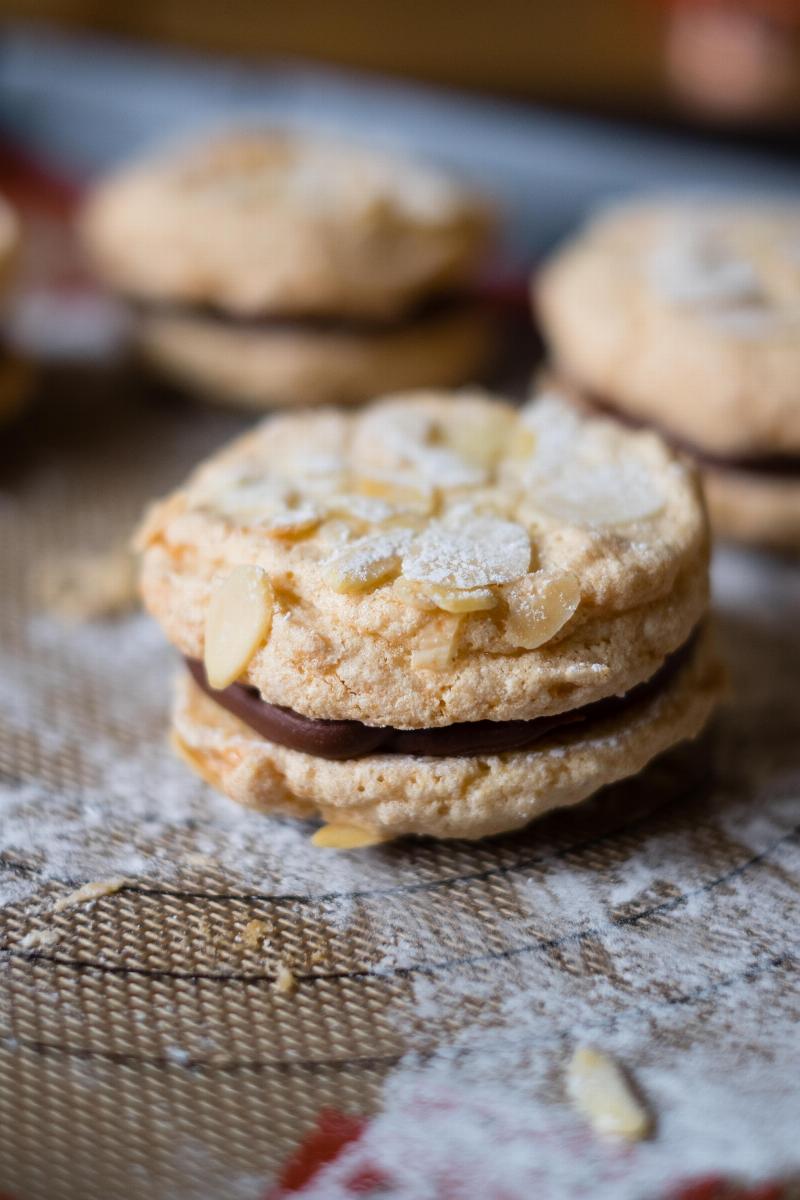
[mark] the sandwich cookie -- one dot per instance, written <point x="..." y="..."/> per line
<point x="439" y="615"/>
<point x="273" y="269"/>
<point x="686" y="318"/>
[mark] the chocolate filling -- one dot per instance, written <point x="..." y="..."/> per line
<point x="351" y="739"/>
<point x="442" y="305"/>
<point x="785" y="465"/>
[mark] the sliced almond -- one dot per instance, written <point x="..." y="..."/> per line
<point x="291" y="522"/>
<point x="346" y="837"/>
<point x="460" y="600"/>
<point x="366" y="510"/>
<point x="401" y="489"/>
<point x="412" y="594"/>
<point x="539" y="606"/>
<point x="468" y="550"/>
<point x="364" y="564"/>
<point x="482" y="436"/>
<point x="428" y="597"/>
<point x="444" y="468"/>
<point x="238" y="623"/>
<point x="89" y="892"/>
<point x="599" y="1090"/>
<point x="435" y="647"/>
<point x="600" y="494"/>
<point x="245" y="500"/>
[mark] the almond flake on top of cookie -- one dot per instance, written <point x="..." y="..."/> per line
<point x="539" y="606"/>
<point x="405" y="490"/>
<point x="435" y="647"/>
<point x="402" y="439"/>
<point x="367" y="562"/>
<point x="238" y="622"/>
<point x="482" y="437"/>
<point x="600" y="495"/>
<point x="240" y="497"/>
<point x="291" y="522"/>
<point x="366" y="510"/>
<point x="259" y="501"/>
<point x="582" y="473"/>
<point x="468" y="550"/>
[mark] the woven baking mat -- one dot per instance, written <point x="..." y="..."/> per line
<point x="145" y="1051"/>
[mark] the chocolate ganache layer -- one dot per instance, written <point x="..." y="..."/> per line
<point x="351" y="739"/>
<point x="433" y="307"/>
<point x="781" y="465"/>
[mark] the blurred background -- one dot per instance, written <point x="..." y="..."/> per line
<point x="732" y="60"/>
<point x="550" y="108"/>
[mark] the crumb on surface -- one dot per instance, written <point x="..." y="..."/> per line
<point x="39" y="939"/>
<point x="285" y="982"/>
<point x="254" y="934"/>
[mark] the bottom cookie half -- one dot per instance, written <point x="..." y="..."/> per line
<point x="258" y="367"/>
<point x="446" y="797"/>
<point x="754" y="507"/>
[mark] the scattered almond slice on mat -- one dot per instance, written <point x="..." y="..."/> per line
<point x="346" y="837"/>
<point x="89" y="892"/>
<point x="598" y="1088"/>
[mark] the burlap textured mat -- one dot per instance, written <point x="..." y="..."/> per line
<point x="145" y="1051"/>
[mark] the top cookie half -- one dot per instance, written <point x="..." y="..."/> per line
<point x="436" y="559"/>
<point x="258" y="223"/>
<point x="686" y="315"/>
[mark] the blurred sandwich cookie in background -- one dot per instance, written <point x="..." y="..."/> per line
<point x="685" y="317"/>
<point x="272" y="269"/>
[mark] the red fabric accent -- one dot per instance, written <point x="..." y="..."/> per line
<point x="29" y="185"/>
<point x="717" y="1187"/>
<point x="333" y="1131"/>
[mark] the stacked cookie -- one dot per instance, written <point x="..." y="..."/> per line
<point x="437" y="615"/>
<point x="686" y="318"/>
<point x="271" y="269"/>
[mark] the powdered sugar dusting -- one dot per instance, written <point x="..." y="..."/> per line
<point x="695" y="264"/>
<point x="468" y="550"/>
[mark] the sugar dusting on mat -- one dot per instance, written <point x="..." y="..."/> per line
<point x="675" y="955"/>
